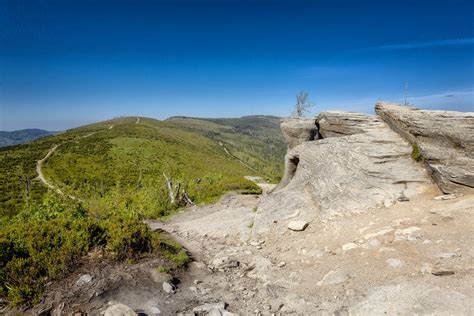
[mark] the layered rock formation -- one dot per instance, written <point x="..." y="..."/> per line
<point x="360" y="164"/>
<point x="345" y="162"/>
<point x="445" y="140"/>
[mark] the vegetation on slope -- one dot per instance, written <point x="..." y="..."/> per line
<point x="255" y="140"/>
<point x="114" y="173"/>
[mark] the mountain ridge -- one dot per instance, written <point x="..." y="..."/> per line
<point x="11" y="138"/>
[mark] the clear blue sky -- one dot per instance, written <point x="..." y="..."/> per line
<point x="66" y="63"/>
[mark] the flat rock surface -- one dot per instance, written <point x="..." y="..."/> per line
<point x="444" y="138"/>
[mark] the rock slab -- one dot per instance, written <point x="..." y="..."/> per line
<point x="445" y="140"/>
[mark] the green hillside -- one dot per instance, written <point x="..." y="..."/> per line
<point x="104" y="179"/>
<point x="255" y="140"/>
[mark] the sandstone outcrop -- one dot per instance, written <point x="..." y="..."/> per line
<point x="360" y="164"/>
<point x="445" y="140"/>
<point x="298" y="130"/>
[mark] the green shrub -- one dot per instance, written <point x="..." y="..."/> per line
<point x="415" y="152"/>
<point x="127" y="238"/>
<point x="45" y="242"/>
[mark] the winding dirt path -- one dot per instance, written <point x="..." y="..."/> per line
<point x="39" y="170"/>
<point x="138" y="120"/>
<point x="39" y="166"/>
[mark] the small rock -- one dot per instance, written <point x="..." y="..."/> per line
<point x="84" y="279"/>
<point x="349" y="246"/>
<point x="298" y="225"/>
<point x="119" y="310"/>
<point x="197" y="282"/>
<point x="168" y="288"/>
<point x="394" y="263"/>
<point x="441" y="271"/>
<point x="282" y="264"/>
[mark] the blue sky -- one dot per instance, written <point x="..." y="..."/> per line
<point x="67" y="63"/>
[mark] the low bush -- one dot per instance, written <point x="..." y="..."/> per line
<point x="46" y="241"/>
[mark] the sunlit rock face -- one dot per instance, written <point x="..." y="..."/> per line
<point x="445" y="140"/>
<point x="357" y="163"/>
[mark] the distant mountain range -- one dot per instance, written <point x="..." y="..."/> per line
<point x="22" y="136"/>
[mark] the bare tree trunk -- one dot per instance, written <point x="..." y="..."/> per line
<point x="169" y="184"/>
<point x="177" y="195"/>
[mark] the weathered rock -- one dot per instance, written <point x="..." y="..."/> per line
<point x="445" y="140"/>
<point x="168" y="287"/>
<point x="338" y="124"/>
<point x="342" y="175"/>
<point x="119" y="310"/>
<point x="298" y="130"/>
<point x="297" y="225"/>
<point x="221" y="262"/>
<point x="84" y="279"/>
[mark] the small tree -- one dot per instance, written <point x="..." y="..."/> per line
<point x="303" y="104"/>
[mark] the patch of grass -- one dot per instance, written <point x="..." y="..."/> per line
<point x="415" y="153"/>
<point x="173" y="251"/>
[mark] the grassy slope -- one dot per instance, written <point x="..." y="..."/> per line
<point x="125" y="162"/>
<point x="256" y="140"/>
<point x="116" y="176"/>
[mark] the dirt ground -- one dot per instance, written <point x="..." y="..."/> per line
<point x="414" y="257"/>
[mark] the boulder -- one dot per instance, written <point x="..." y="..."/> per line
<point x="445" y="140"/>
